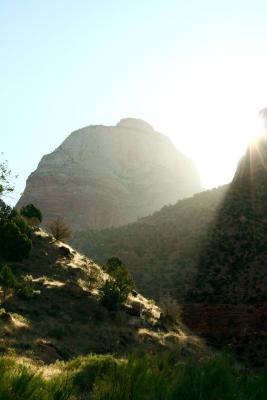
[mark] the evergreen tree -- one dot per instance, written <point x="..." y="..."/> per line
<point x="32" y="215"/>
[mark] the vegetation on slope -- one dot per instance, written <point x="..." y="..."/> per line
<point x="62" y="316"/>
<point x="58" y="304"/>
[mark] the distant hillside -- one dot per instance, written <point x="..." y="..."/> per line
<point x="162" y="250"/>
<point x="103" y="176"/>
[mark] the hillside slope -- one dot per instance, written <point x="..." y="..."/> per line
<point x="103" y="176"/>
<point x="65" y="317"/>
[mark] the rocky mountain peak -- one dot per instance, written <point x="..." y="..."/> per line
<point x="136" y="124"/>
<point x="103" y="176"/>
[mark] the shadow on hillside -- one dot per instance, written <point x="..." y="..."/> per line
<point x="231" y="281"/>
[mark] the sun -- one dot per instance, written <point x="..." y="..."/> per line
<point x="260" y="129"/>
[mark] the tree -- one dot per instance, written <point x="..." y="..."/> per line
<point x="5" y="175"/>
<point x="118" y="271"/>
<point x="6" y="212"/>
<point x="112" y="264"/>
<point x="60" y="229"/>
<point x="118" y="286"/>
<point x="32" y="215"/>
<point x="15" y="234"/>
<point x="7" y="280"/>
<point x="111" y="296"/>
<point x="15" y="245"/>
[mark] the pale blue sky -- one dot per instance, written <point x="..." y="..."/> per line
<point x="195" y="70"/>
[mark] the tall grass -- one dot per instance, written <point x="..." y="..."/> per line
<point x="164" y="377"/>
<point x="154" y="378"/>
<point x="19" y="383"/>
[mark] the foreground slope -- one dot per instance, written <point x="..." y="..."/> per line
<point x="103" y="176"/>
<point x="65" y="317"/>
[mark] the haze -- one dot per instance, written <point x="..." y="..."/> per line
<point x="194" y="70"/>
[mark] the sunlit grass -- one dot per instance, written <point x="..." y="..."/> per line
<point x="162" y="377"/>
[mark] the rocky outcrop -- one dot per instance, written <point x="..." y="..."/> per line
<point x="103" y="176"/>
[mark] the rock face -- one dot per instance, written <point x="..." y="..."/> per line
<point x="103" y="176"/>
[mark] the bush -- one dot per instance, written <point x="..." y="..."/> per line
<point x="6" y="212"/>
<point x="32" y="215"/>
<point x="14" y="244"/>
<point x="22" y="225"/>
<point x="15" y="234"/>
<point x="26" y="288"/>
<point x="120" y="273"/>
<point x="112" y="264"/>
<point x="111" y="296"/>
<point x="60" y="229"/>
<point x="117" y="288"/>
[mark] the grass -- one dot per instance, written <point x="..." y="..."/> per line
<point x="165" y="377"/>
<point x="158" y="378"/>
<point x="18" y="382"/>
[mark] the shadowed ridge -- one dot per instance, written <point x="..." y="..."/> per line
<point x="230" y="290"/>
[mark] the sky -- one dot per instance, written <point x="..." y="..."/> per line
<point x="195" y="70"/>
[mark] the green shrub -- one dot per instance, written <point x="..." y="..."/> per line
<point x="6" y="212"/>
<point x="32" y="215"/>
<point x="117" y="288"/>
<point x="22" y="225"/>
<point x="14" y="245"/>
<point x="111" y="296"/>
<point x="26" y="288"/>
<point x="123" y="279"/>
<point x="112" y="264"/>
<point x="120" y="273"/>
